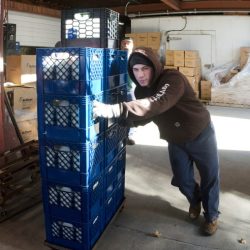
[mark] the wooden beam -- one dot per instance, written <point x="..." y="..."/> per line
<point x="34" y="9"/>
<point x="142" y="8"/>
<point x="215" y="5"/>
<point x="174" y="4"/>
<point x="184" y="6"/>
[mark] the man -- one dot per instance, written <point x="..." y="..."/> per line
<point x="128" y="44"/>
<point x="166" y="98"/>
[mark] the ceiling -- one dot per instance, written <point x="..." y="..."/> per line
<point x="148" y="6"/>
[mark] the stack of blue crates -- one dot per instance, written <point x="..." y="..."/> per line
<point x="82" y="159"/>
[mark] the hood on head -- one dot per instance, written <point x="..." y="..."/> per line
<point x="146" y="56"/>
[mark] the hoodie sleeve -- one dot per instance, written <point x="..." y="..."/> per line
<point x="170" y="90"/>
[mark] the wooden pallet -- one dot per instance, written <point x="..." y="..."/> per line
<point x="19" y="180"/>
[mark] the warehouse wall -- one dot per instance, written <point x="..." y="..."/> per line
<point x="222" y="35"/>
<point x="219" y="37"/>
<point x="35" y="30"/>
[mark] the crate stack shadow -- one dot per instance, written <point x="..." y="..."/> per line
<point x="82" y="158"/>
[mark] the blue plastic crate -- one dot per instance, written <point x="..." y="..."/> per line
<point x="74" y="235"/>
<point x="111" y="142"/>
<point x="109" y="157"/>
<point x="110" y="97"/>
<point x="121" y="145"/>
<point x="110" y="207"/>
<point x="70" y="71"/>
<point x="67" y="117"/>
<point x="114" y="96"/>
<point x="121" y="165"/>
<point x="111" y="82"/>
<point x="115" y="68"/>
<point x="122" y="134"/>
<point x="116" y="61"/>
<point x="123" y="61"/>
<point x="120" y="192"/>
<point x="75" y="203"/>
<point x="91" y="27"/>
<point x="72" y="163"/>
<point x="112" y="62"/>
<point x="122" y="93"/>
<point x="110" y="178"/>
<point x="111" y="138"/>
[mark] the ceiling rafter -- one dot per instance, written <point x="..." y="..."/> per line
<point x="141" y="6"/>
<point x="220" y="5"/>
<point x="174" y="4"/>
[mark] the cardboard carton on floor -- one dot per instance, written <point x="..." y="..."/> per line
<point x="21" y="69"/>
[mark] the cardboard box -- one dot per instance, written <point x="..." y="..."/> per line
<point x="154" y="40"/>
<point x="146" y="39"/>
<point x="142" y="39"/>
<point x="131" y="35"/>
<point x="23" y="100"/>
<point x="169" y="58"/>
<point x="170" y="67"/>
<point x="194" y="82"/>
<point x="187" y="71"/>
<point x="21" y="69"/>
<point x="244" y="54"/>
<point x="28" y="130"/>
<point x="179" y="58"/>
<point x="191" y="54"/>
<point x="205" y="90"/>
<point x="192" y="62"/>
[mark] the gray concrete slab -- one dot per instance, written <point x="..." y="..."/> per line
<point x="155" y="208"/>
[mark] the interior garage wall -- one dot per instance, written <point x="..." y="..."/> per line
<point x="228" y="33"/>
<point x="35" y="30"/>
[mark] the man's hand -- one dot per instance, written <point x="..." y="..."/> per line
<point x="106" y="110"/>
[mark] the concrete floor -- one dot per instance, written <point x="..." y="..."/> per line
<point x="154" y="207"/>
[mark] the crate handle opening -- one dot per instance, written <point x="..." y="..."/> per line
<point x="60" y="55"/>
<point x="82" y="16"/>
<point x="60" y="103"/>
<point x="96" y="57"/>
<point x="62" y="148"/>
<point x="66" y="224"/>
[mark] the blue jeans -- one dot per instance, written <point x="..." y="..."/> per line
<point x="203" y="152"/>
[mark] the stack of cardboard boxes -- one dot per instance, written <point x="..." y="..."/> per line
<point x="146" y="39"/>
<point x="21" y="93"/>
<point x="188" y="62"/>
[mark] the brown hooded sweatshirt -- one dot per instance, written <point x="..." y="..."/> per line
<point x="169" y="102"/>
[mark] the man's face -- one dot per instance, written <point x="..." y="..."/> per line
<point x="143" y="74"/>
<point x="127" y="45"/>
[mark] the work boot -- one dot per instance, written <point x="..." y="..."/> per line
<point x="210" y="227"/>
<point x="130" y="141"/>
<point x="194" y="211"/>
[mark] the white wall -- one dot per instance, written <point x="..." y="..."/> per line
<point x="35" y="30"/>
<point x="225" y="34"/>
